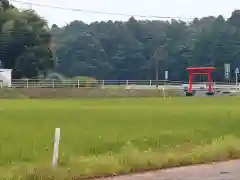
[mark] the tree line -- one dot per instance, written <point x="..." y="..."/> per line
<point x="116" y="50"/>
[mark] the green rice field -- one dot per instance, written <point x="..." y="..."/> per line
<point x="118" y="135"/>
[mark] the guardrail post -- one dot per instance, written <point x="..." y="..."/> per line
<point x="103" y="84"/>
<point x="150" y="83"/>
<point x="127" y="82"/>
<point x="27" y="83"/>
<point x="78" y="83"/>
<point x="53" y="83"/>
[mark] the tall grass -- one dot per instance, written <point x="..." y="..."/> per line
<point x="109" y="136"/>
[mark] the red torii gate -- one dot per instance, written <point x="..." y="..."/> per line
<point x="200" y="71"/>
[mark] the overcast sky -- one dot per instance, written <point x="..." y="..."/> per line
<point x="179" y="8"/>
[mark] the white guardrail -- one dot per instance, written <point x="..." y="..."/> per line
<point x="127" y="84"/>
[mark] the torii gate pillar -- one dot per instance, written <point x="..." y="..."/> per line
<point x="200" y="71"/>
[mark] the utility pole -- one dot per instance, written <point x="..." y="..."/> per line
<point x="159" y="54"/>
<point x="96" y="40"/>
<point x="157" y="71"/>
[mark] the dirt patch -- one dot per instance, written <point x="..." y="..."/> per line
<point x="80" y="93"/>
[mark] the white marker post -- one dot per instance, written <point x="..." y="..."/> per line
<point x="166" y="76"/>
<point x="237" y="72"/>
<point x="56" y="147"/>
<point x="163" y="90"/>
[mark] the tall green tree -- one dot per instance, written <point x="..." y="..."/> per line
<point x="130" y="50"/>
<point x="25" y="42"/>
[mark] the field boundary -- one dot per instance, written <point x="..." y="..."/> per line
<point x="134" y="162"/>
<point x="82" y="93"/>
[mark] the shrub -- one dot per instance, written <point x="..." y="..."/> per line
<point x="85" y="81"/>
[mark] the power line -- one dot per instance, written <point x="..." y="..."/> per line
<point x="100" y="12"/>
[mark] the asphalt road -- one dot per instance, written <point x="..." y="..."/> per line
<point x="218" y="171"/>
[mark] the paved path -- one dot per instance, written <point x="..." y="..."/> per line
<point x="219" y="171"/>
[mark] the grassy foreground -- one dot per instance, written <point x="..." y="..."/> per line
<point x="109" y="136"/>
